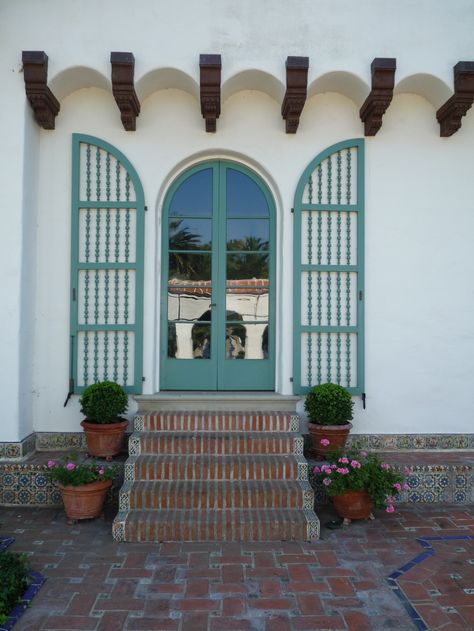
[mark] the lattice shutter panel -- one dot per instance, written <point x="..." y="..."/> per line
<point x="328" y="281"/>
<point x="107" y="267"/>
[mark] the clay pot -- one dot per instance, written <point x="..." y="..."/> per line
<point x="84" y="501"/>
<point x="336" y="434"/>
<point x="353" y="505"/>
<point x="104" y="439"/>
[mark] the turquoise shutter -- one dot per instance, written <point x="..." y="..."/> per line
<point x="106" y="266"/>
<point x="328" y="270"/>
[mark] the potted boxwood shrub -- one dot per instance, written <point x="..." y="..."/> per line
<point x="103" y="403"/>
<point x="83" y="486"/>
<point x="329" y="408"/>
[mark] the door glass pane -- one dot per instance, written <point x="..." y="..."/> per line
<point x="247" y="266"/>
<point x="244" y="197"/>
<point x="190" y="267"/>
<point x="246" y="341"/>
<point x="247" y="234"/>
<point x="190" y="234"/>
<point x="194" y="196"/>
<point x="186" y="303"/>
<point x="248" y="302"/>
<point x="189" y="341"/>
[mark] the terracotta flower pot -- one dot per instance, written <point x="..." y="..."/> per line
<point x="336" y="434"/>
<point x="353" y="505"/>
<point x="84" y="501"/>
<point x="104" y="439"/>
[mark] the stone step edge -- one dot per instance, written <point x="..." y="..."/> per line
<point x="311" y="519"/>
<point x="134" y="441"/>
<point x="127" y="488"/>
<point x="132" y="461"/>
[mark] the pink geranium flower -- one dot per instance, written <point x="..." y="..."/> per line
<point x="316" y="470"/>
<point x="325" y="442"/>
<point x="397" y="486"/>
<point x="70" y="466"/>
<point x="355" y="464"/>
<point x="343" y="470"/>
<point x="101" y="471"/>
<point x="363" y="454"/>
<point x="51" y="464"/>
<point x="343" y="460"/>
<point x="390" y="509"/>
<point x="327" y="481"/>
<point x="384" y="465"/>
<point x="406" y="487"/>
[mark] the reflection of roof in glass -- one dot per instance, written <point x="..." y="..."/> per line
<point x="257" y="286"/>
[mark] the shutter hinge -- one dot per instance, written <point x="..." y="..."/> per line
<point x="291" y="379"/>
<point x="146" y="208"/>
<point x="361" y="295"/>
<point x="74" y="294"/>
<point x="292" y="210"/>
<point x="143" y="379"/>
<point x="363" y="399"/>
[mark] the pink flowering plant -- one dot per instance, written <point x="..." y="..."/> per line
<point x="71" y="472"/>
<point x="359" y="470"/>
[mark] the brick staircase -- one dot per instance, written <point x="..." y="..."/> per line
<point x="216" y="476"/>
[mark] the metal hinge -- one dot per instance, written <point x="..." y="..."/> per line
<point x="363" y="399"/>
<point x="361" y="295"/>
<point x="145" y="208"/>
<point x="291" y="379"/>
<point x="292" y="210"/>
<point x="74" y="294"/>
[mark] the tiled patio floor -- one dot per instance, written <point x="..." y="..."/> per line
<point x="338" y="583"/>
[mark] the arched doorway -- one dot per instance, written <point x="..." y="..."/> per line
<point x="218" y="281"/>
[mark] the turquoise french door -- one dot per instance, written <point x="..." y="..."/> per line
<point x="218" y="290"/>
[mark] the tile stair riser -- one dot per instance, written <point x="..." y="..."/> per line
<point x="218" y="468"/>
<point x="219" y="444"/>
<point x="217" y="495"/>
<point x="225" y="525"/>
<point x="226" y="422"/>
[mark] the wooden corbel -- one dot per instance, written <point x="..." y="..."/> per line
<point x="123" y="88"/>
<point x="210" y="81"/>
<point x="43" y="102"/>
<point x="295" y="95"/>
<point x="376" y="104"/>
<point x="449" y="115"/>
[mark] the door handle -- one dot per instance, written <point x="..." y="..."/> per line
<point x="213" y="304"/>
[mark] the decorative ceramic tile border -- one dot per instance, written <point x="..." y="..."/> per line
<point x="18" y="450"/>
<point x="392" y="442"/>
<point x="429" y="551"/>
<point x="36" y="580"/>
<point x="52" y="441"/>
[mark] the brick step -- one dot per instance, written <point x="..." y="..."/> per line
<point x="217" y="422"/>
<point x="211" y="467"/>
<point x="223" y="525"/>
<point x="219" y="443"/>
<point x="212" y="495"/>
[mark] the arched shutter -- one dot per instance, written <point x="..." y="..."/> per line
<point x="328" y="270"/>
<point x="106" y="267"/>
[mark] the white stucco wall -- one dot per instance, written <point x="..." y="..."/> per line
<point x="419" y="187"/>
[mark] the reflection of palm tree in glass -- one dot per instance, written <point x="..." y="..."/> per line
<point x="250" y="262"/>
<point x="181" y="238"/>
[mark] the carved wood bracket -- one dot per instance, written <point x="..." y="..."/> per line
<point x="123" y="88"/>
<point x="43" y="102"/>
<point x="295" y="95"/>
<point x="210" y="80"/>
<point x="449" y="115"/>
<point x="380" y="97"/>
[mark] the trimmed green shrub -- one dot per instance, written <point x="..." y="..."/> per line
<point x="329" y="404"/>
<point x="14" y="581"/>
<point x="103" y="402"/>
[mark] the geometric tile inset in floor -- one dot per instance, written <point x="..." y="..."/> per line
<point x="437" y="586"/>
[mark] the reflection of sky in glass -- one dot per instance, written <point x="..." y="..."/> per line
<point x="194" y="195"/>
<point x="244" y="197"/>
<point x="244" y="229"/>
<point x="190" y="234"/>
